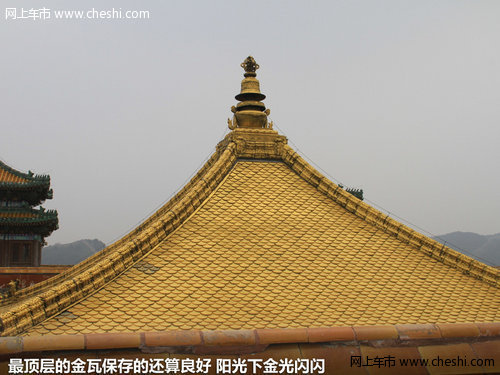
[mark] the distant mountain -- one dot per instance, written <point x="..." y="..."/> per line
<point x="485" y="248"/>
<point x="71" y="253"/>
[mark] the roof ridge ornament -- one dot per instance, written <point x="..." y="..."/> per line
<point x="251" y="112"/>
<point x="250" y="66"/>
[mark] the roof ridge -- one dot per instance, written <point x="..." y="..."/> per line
<point x="40" y="301"/>
<point x="428" y="246"/>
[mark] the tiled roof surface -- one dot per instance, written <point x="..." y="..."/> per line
<point x="269" y="250"/>
<point x="9" y="177"/>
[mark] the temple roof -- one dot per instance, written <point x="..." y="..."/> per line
<point x="19" y="186"/>
<point x="22" y="219"/>
<point x="260" y="239"/>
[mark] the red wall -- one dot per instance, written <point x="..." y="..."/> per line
<point x="28" y="275"/>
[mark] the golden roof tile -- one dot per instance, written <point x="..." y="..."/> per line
<point x="314" y="297"/>
<point x="8" y="177"/>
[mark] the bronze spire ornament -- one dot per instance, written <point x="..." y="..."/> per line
<point x="250" y="112"/>
<point x="250" y="66"/>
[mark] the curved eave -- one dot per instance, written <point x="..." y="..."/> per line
<point x="30" y="177"/>
<point x="41" y="226"/>
<point x="26" y="219"/>
<point x="40" y="213"/>
<point x="31" y="193"/>
<point x="29" y="185"/>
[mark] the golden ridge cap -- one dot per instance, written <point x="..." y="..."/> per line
<point x="250" y="112"/>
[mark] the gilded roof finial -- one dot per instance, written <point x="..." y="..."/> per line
<point x="250" y="112"/>
<point x="250" y="66"/>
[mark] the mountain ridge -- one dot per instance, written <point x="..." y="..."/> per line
<point x="485" y="248"/>
<point x="71" y="253"/>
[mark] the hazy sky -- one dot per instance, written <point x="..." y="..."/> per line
<point x="400" y="98"/>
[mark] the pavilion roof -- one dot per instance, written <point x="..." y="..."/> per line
<point x="19" y="186"/>
<point x="23" y="219"/>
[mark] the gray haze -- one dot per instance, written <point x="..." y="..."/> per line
<point x="400" y="98"/>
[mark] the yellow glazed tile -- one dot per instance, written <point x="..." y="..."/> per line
<point x="268" y="250"/>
